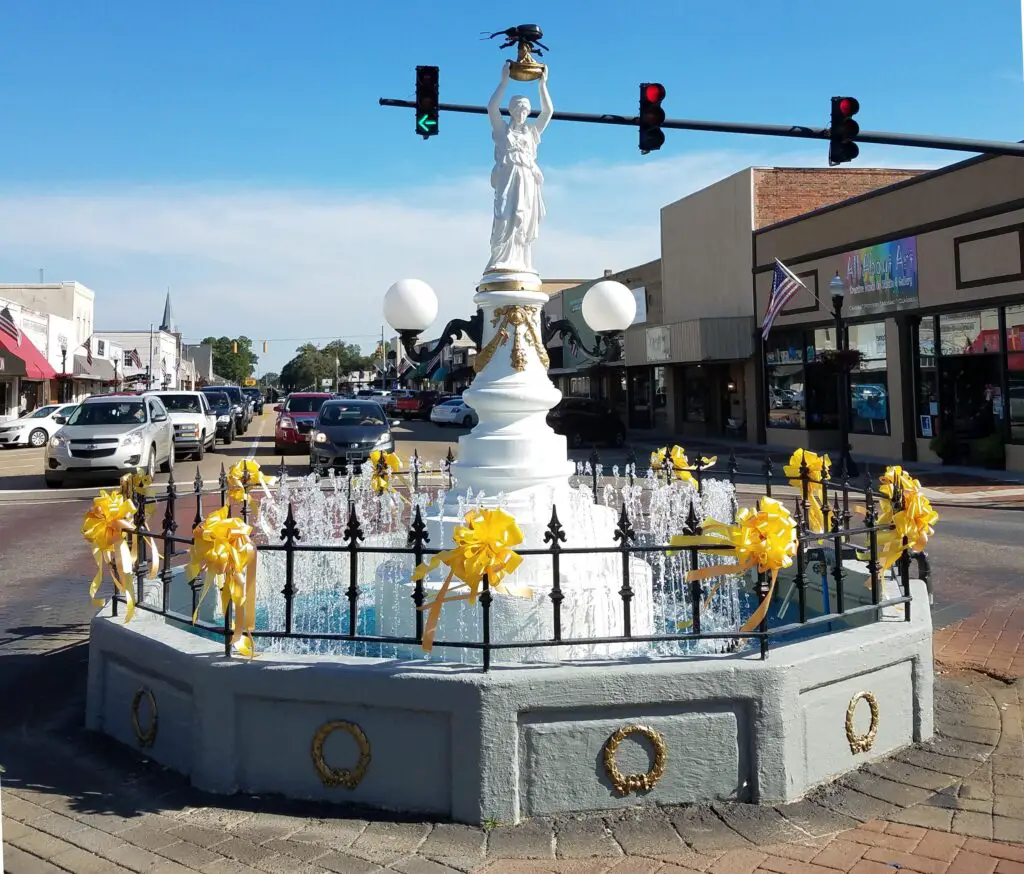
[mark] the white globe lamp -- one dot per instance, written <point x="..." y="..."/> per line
<point x="410" y="305"/>
<point x="608" y="306"/>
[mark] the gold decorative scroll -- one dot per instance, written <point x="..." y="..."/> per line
<point x="341" y="776"/>
<point x="861" y="743"/>
<point x="626" y="783"/>
<point x="148" y="736"/>
<point x="508" y="320"/>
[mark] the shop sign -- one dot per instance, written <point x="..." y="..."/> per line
<point x="882" y="278"/>
<point x="659" y="344"/>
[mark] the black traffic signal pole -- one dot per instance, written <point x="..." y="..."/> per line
<point x="953" y="144"/>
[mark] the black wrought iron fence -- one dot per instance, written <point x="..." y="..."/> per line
<point x="836" y="500"/>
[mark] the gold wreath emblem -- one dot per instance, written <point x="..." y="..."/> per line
<point x="341" y="776"/>
<point x="145" y="738"/>
<point x="626" y="783"/>
<point x="861" y="743"/>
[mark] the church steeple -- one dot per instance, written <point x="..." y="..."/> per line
<point x="168" y="321"/>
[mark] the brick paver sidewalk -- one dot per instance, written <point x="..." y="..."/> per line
<point x="991" y="641"/>
<point x="78" y="804"/>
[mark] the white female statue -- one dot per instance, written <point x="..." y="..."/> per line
<point x="516" y="179"/>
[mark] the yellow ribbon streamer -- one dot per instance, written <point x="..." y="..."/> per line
<point x="763" y="539"/>
<point x="484" y="545"/>
<point x="132" y="485"/>
<point x="384" y="464"/>
<point x="914" y="520"/>
<point x="819" y="468"/>
<point x="107" y="525"/>
<point x="243" y="476"/>
<point x="223" y="552"/>
<point x="679" y="463"/>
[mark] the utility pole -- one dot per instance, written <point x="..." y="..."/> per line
<point x="149" y="370"/>
<point x="383" y="360"/>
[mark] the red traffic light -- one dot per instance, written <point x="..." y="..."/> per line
<point x="654" y="92"/>
<point x="849" y="106"/>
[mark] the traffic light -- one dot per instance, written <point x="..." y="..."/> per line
<point x="652" y="117"/>
<point x="843" y="131"/>
<point x="266" y="347"/>
<point x="427" y="100"/>
<point x="234" y="347"/>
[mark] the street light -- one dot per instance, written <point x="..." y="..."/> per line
<point x="608" y="309"/>
<point x="838" y="291"/>
<point x="63" y="367"/>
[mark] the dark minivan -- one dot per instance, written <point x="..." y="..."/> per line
<point x="346" y="432"/>
<point x="239" y="405"/>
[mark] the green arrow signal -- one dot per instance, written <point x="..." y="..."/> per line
<point x="426" y="123"/>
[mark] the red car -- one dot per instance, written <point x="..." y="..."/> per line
<point x="295" y="419"/>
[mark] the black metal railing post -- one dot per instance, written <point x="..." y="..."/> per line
<point x="837" y="545"/>
<point x="449" y="460"/>
<point x="769" y="470"/>
<point x="245" y="494"/>
<point x="762" y="593"/>
<point x="924" y="571"/>
<point x="898" y="503"/>
<point x="353" y="535"/>
<point x="414" y="463"/>
<point x="800" y="580"/>
<point x="631" y="465"/>
<point x="555" y="537"/>
<point x="290" y="534"/>
<point x="485" y="619"/>
<point x="693" y="528"/>
<point x="417" y="538"/>
<point x="222" y="482"/>
<point x="282" y="470"/>
<point x="141" y="533"/>
<point x="594" y="460"/>
<point x="624" y="536"/>
<point x="844" y="478"/>
<point x="227" y="629"/>
<point x="170" y="526"/>
<point x="871" y="522"/>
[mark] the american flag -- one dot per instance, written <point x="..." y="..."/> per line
<point x="88" y="351"/>
<point x="784" y="285"/>
<point x="136" y="359"/>
<point x="9" y="326"/>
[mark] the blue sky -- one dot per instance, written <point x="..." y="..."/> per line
<point x="235" y="151"/>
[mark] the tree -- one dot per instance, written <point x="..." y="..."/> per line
<point x="231" y="365"/>
<point x="270" y="378"/>
<point x="311" y="365"/>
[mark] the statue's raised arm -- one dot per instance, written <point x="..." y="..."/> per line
<point x="547" y="109"/>
<point x="494" y="104"/>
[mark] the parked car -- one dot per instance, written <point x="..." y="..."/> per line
<point x="255" y="396"/>
<point x="240" y="407"/>
<point x="587" y="421"/>
<point x="195" y="422"/>
<point x="416" y="404"/>
<point x="454" y="412"/>
<point x="221" y="405"/>
<point x="346" y="432"/>
<point x="295" y="420"/>
<point x="108" y="436"/>
<point x="35" y="428"/>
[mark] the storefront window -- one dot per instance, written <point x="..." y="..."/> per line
<point x="869" y="383"/>
<point x="784" y="378"/>
<point x="972" y="333"/>
<point x="696" y="394"/>
<point x="1015" y="371"/>
<point x="579" y="386"/>
<point x="1015" y="328"/>
<point x="927" y="380"/>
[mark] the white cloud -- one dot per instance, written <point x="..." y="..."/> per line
<point x="315" y="264"/>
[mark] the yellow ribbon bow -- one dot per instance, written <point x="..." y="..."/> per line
<point x="763" y="540"/>
<point x="222" y="550"/>
<point x="243" y="476"/>
<point x="915" y="519"/>
<point x="384" y="464"/>
<point x="484" y="545"/>
<point x="819" y="468"/>
<point x="132" y="485"/>
<point x="136" y="483"/>
<point x="680" y="464"/>
<point x="106" y="527"/>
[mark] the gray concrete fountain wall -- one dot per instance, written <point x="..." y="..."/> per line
<point x="450" y="741"/>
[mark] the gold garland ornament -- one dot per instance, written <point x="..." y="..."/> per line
<point x="680" y="464"/>
<point x="484" y="545"/>
<point x="340" y="776"/>
<point x="106" y="528"/>
<point x="915" y="519"/>
<point x="147" y="737"/>
<point x="626" y="783"/>
<point x="819" y="468"/>
<point x="243" y="476"/>
<point x="512" y="318"/>
<point x="862" y="743"/>
<point x="223" y="552"/>
<point x="763" y="540"/>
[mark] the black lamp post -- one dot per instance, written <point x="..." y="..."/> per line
<point x="846" y="462"/>
<point x="63" y="369"/>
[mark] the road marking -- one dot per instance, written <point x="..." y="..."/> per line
<point x="256" y="441"/>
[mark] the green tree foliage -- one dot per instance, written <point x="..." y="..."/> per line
<point x="312" y="365"/>
<point x="235" y="366"/>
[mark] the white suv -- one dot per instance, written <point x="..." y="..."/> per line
<point x="195" y="422"/>
<point x="108" y="436"/>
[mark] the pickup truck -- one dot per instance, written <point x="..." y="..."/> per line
<point x="417" y="405"/>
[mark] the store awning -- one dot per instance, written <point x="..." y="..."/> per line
<point x="100" y="370"/>
<point x="440" y="374"/>
<point x="420" y="372"/>
<point x="24" y="359"/>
